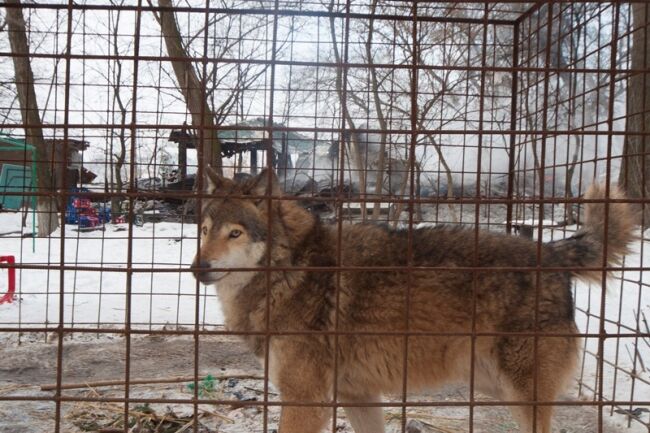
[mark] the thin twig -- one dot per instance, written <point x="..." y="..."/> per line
<point x="102" y="383"/>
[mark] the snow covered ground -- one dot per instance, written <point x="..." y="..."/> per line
<point x="164" y="293"/>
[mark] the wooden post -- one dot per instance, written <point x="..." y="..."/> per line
<point x="182" y="159"/>
<point x="254" y="161"/>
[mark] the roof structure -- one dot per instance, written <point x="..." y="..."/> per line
<point x="248" y="135"/>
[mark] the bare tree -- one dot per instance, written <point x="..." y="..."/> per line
<point x="114" y="73"/>
<point x="47" y="207"/>
<point x="439" y="87"/>
<point x="634" y="176"/>
<point x="193" y="90"/>
<point x="567" y="25"/>
<point x="202" y="88"/>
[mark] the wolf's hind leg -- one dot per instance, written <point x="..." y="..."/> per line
<point x="556" y="357"/>
<point x="524" y="416"/>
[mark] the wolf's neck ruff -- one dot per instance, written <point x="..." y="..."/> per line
<point x="245" y="304"/>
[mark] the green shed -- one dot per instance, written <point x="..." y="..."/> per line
<point x="17" y="173"/>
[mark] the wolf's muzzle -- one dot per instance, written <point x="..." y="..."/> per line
<point x="201" y="270"/>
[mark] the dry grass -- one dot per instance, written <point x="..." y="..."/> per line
<point x="107" y="417"/>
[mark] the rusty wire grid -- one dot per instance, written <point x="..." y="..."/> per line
<point x="490" y="116"/>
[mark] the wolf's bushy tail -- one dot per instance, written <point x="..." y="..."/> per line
<point x="599" y="235"/>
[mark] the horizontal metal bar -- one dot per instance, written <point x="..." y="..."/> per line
<point x="390" y="404"/>
<point x="334" y="269"/>
<point x="264" y="11"/>
<point x="306" y="332"/>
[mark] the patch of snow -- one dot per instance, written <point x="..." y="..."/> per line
<point x="95" y="288"/>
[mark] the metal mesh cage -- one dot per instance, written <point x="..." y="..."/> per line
<point x="408" y="116"/>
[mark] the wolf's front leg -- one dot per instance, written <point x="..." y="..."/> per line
<point x="304" y="387"/>
<point x="300" y="419"/>
<point x="302" y="374"/>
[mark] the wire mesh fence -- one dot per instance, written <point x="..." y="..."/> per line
<point x="379" y="191"/>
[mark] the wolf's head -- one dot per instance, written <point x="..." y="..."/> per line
<point x="239" y="223"/>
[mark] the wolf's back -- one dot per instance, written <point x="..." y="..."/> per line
<point x="608" y="229"/>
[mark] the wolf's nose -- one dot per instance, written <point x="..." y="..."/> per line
<point x="200" y="268"/>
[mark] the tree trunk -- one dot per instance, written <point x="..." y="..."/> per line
<point x="450" y="181"/>
<point x="383" y="125"/>
<point x="354" y="145"/>
<point x="634" y="176"/>
<point x="399" y="207"/>
<point x="540" y="174"/>
<point x="120" y="159"/>
<point x="48" y="220"/>
<point x="193" y="91"/>
<point x="569" y="208"/>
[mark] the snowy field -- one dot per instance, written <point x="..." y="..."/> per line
<point x="163" y="295"/>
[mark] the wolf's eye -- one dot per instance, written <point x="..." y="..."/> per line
<point x="204" y="230"/>
<point x="235" y="233"/>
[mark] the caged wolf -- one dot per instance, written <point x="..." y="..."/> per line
<point x="256" y="245"/>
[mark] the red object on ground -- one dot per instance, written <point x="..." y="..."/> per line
<point x="81" y="203"/>
<point x="9" y="296"/>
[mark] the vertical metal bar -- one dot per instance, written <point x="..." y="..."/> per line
<point x="583" y="59"/>
<point x="409" y="239"/>
<point x="132" y="188"/>
<point x="513" y="126"/>
<point x="339" y="241"/>
<point x="644" y="181"/>
<point x="541" y="215"/>
<point x="197" y="287"/>
<point x="610" y="128"/>
<point x="269" y="206"/>
<point x="66" y="114"/>
<point x="618" y="339"/>
<point x="201" y="190"/>
<point x="477" y="215"/>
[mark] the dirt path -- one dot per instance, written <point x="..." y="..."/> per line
<point x="86" y="359"/>
<point x="90" y="359"/>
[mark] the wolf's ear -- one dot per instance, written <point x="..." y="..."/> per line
<point x="261" y="184"/>
<point x="213" y="180"/>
